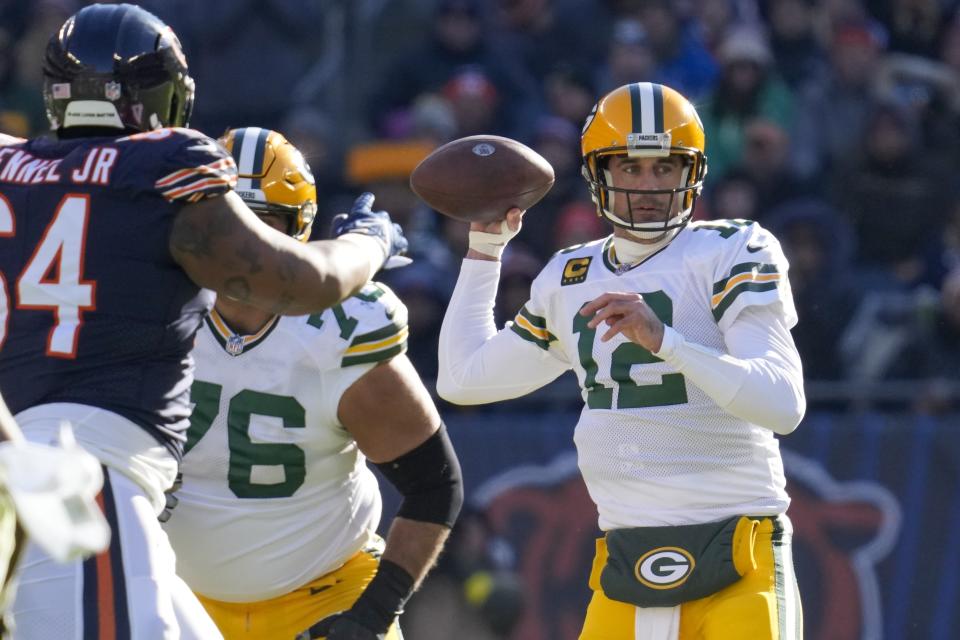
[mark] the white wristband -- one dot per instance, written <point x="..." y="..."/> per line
<point x="492" y="244"/>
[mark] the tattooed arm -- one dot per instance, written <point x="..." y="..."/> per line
<point x="223" y="246"/>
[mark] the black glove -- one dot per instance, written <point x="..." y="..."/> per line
<point x="374" y="611"/>
<point x="341" y="627"/>
<point x="172" y="499"/>
<point x="377" y="224"/>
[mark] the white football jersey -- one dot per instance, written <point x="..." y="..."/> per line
<point x="653" y="448"/>
<point x="275" y="491"/>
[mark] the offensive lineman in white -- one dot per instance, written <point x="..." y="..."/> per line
<point x="679" y="334"/>
<point x="275" y="525"/>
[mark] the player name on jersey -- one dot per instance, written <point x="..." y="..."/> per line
<point x="20" y="167"/>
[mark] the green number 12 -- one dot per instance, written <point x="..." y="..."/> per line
<point x="671" y="390"/>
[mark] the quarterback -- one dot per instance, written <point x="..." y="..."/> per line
<point x="679" y="334"/>
<point x="275" y="525"/>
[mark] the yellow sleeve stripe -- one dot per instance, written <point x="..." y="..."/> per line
<point x="743" y="277"/>
<point x="386" y="343"/>
<point x="537" y="332"/>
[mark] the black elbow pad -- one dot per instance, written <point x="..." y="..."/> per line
<point x="429" y="479"/>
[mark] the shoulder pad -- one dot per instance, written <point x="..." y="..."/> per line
<point x="371" y="325"/>
<point x="748" y="267"/>
<point x="571" y="265"/>
<point x="182" y="165"/>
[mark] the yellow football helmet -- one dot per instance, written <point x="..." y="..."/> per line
<point x="643" y="120"/>
<point x="273" y="177"/>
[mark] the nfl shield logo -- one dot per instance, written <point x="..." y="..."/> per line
<point x="112" y="90"/>
<point x="235" y="345"/>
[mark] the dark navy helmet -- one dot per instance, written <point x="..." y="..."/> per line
<point x="116" y="66"/>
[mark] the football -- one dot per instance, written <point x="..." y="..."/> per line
<point x="480" y="178"/>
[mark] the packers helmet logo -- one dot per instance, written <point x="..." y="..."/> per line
<point x="664" y="567"/>
<point x="575" y="271"/>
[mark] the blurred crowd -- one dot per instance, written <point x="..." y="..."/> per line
<point x="835" y="123"/>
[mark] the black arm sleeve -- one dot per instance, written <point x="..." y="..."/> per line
<point x="429" y="479"/>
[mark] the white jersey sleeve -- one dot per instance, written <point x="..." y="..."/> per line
<point x="750" y="270"/>
<point x="372" y="326"/>
<point x="478" y="364"/>
<point x="758" y="376"/>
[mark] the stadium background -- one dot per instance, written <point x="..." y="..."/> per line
<point x="835" y="123"/>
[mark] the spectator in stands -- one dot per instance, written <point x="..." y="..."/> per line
<point x="799" y="56"/>
<point x="748" y="88"/>
<point x="930" y="91"/>
<point x="629" y="56"/>
<point x="892" y="194"/>
<point x="765" y="162"/>
<point x="941" y="351"/>
<point x="21" y="106"/>
<point x="457" y="40"/>
<point x="424" y="288"/>
<point x="576" y="223"/>
<point x="683" y="61"/>
<point x="541" y="34"/>
<point x="733" y="196"/>
<point x="557" y="140"/>
<point x="942" y="255"/>
<point x="315" y="134"/>
<point x="713" y="19"/>
<point x="475" y="103"/>
<point x="913" y="25"/>
<point x="568" y="89"/>
<point x="432" y="118"/>
<point x="831" y="110"/>
<point x="235" y="53"/>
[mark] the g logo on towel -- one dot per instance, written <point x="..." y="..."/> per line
<point x="664" y="567"/>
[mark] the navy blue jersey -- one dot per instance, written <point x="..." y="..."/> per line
<point x="93" y="308"/>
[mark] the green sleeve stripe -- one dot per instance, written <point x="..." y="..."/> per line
<point x="529" y="337"/>
<point x="375" y="356"/>
<point x="369" y="293"/>
<point x="736" y="291"/>
<point x="380" y="334"/>
<point x="744" y="267"/>
<point x="537" y="321"/>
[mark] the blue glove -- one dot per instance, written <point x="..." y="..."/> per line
<point x="377" y="224"/>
